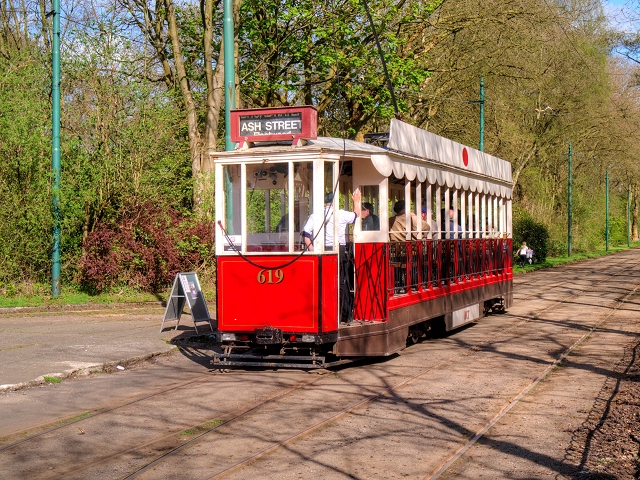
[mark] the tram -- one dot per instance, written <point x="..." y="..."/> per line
<point x="279" y="301"/>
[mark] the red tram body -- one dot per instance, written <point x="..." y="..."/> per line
<point x="279" y="304"/>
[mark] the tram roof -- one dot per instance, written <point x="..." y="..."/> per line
<point x="411" y="152"/>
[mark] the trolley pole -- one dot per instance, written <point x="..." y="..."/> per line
<point x="229" y="72"/>
<point x="629" y="215"/>
<point x="570" y="203"/>
<point x="55" y="151"/>
<point x="606" y="233"/>
<point x="481" y="101"/>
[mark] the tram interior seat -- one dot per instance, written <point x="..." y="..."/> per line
<point x="268" y="242"/>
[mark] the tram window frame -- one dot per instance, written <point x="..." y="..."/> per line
<point x="237" y="229"/>
<point x="365" y="175"/>
<point x="232" y="241"/>
<point x="266" y="188"/>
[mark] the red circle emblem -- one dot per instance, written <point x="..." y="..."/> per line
<point x="465" y="157"/>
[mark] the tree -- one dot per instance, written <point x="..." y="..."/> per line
<point x="185" y="49"/>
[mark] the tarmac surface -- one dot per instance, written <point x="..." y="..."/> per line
<point x="80" y="340"/>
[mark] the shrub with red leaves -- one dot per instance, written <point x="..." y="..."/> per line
<point x="144" y="249"/>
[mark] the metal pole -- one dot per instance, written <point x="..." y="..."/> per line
<point x="606" y="233"/>
<point x="229" y="101"/>
<point x="481" y="148"/>
<point x="229" y="72"/>
<point x="55" y="151"/>
<point x="629" y="215"/>
<point x="570" y="205"/>
<point x="384" y="64"/>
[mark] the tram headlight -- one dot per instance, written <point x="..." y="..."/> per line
<point x="308" y="338"/>
<point x="228" y="337"/>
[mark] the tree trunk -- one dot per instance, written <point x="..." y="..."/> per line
<point x="634" y="218"/>
<point x="195" y="139"/>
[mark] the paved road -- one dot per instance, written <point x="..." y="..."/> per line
<point x="77" y="341"/>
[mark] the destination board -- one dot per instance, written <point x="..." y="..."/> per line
<point x="279" y="124"/>
<point x="274" y="124"/>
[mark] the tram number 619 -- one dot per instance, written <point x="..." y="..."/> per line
<point x="270" y="276"/>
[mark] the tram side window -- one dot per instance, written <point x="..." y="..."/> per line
<point x="302" y="198"/>
<point x="370" y="208"/>
<point x="231" y="182"/>
<point x="267" y="201"/>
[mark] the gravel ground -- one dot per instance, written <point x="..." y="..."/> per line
<point x="608" y="443"/>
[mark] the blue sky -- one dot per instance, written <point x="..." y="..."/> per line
<point x="618" y="3"/>
<point x="614" y="9"/>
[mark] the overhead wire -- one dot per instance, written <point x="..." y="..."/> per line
<point x="327" y="210"/>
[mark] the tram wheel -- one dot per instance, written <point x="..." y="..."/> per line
<point x="498" y="308"/>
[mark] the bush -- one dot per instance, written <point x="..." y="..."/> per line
<point x="144" y="249"/>
<point x="535" y="234"/>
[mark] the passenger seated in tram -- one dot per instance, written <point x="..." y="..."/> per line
<point x="283" y="224"/>
<point x="398" y="251"/>
<point x="370" y="221"/>
<point x="344" y="218"/>
<point x="398" y="224"/>
<point x="429" y="224"/>
<point x="453" y="226"/>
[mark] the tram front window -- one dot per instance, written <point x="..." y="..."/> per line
<point x="232" y="221"/>
<point x="267" y="201"/>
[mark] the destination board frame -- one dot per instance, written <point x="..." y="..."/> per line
<point x="271" y="124"/>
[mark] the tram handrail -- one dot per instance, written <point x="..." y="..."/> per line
<point x="429" y="264"/>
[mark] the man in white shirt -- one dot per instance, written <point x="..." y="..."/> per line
<point x="344" y="218"/>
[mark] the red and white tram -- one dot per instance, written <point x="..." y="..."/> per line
<point x="278" y="302"/>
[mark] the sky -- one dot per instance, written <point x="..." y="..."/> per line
<point x="614" y="10"/>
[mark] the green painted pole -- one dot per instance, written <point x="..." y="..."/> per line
<point x="55" y="151"/>
<point x="629" y="215"/>
<point x="606" y="233"/>
<point x="229" y="72"/>
<point x="481" y="147"/>
<point x="229" y="101"/>
<point x="570" y="205"/>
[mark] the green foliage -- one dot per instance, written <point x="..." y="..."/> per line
<point x="302" y="52"/>
<point x="25" y="223"/>
<point x="535" y="234"/>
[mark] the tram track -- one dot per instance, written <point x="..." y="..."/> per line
<point x="356" y="405"/>
<point x="461" y="451"/>
<point x="527" y="283"/>
<point x="84" y="417"/>
<point x="443" y="467"/>
<point x="548" y="287"/>
<point x="289" y="392"/>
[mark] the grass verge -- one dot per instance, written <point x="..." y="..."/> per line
<point x="576" y="257"/>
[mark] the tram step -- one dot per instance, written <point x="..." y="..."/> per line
<point x="272" y="361"/>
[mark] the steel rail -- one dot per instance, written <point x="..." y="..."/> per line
<point x="279" y="395"/>
<point x="405" y="382"/>
<point x="461" y="451"/>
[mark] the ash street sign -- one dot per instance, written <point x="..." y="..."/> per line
<point x="274" y="124"/>
<point x="279" y="124"/>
